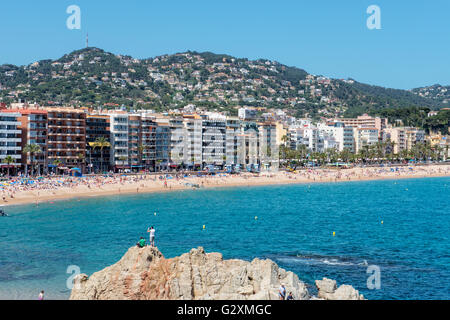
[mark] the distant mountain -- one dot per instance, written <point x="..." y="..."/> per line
<point x="220" y="82"/>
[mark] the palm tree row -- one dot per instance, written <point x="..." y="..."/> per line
<point x="376" y="153"/>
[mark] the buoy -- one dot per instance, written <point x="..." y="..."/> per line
<point x="256" y="217"/>
<point x="155" y="213"/>
<point x="204" y="227"/>
<point x="334" y="233"/>
<point x="381" y="221"/>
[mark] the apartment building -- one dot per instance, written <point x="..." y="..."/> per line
<point x="162" y="143"/>
<point x="135" y="146"/>
<point x="249" y="148"/>
<point x="365" y="137"/>
<point x="233" y="141"/>
<point x="10" y="140"/>
<point x="34" y="128"/>
<point x="98" y="127"/>
<point x="214" y="137"/>
<point x="413" y="137"/>
<point x="193" y="140"/>
<point x="365" y="121"/>
<point x="177" y="142"/>
<point x="66" y="137"/>
<point x="268" y="146"/>
<point x="119" y="157"/>
<point x="342" y="134"/>
<point x="148" y="140"/>
<point x="404" y="138"/>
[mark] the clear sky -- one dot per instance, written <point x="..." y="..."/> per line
<point x="326" y="37"/>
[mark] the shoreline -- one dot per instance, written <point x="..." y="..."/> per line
<point x="145" y="184"/>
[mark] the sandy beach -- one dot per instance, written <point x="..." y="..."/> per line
<point x="16" y="191"/>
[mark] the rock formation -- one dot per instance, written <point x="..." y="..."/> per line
<point x="328" y="290"/>
<point x="144" y="274"/>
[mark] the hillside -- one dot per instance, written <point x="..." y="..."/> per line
<point x="435" y="92"/>
<point x="94" y="77"/>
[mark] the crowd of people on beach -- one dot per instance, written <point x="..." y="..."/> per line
<point x="44" y="188"/>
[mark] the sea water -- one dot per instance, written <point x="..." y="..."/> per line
<point x="334" y="230"/>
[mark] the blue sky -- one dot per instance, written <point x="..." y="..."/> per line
<point x="326" y="37"/>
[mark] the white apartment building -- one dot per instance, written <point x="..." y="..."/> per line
<point x="193" y="138"/>
<point x="268" y="147"/>
<point x="10" y="138"/>
<point x="365" y="137"/>
<point x="119" y="152"/>
<point x="214" y="137"/>
<point x="342" y="135"/>
<point x="233" y="141"/>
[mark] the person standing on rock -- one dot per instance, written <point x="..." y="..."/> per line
<point x="41" y="295"/>
<point x="282" y="292"/>
<point x="152" y="236"/>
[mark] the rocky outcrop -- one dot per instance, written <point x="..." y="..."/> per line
<point x="144" y="274"/>
<point x="328" y="290"/>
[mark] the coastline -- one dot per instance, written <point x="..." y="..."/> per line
<point x="150" y="184"/>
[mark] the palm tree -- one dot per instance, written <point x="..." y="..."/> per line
<point x="141" y="149"/>
<point x="285" y="139"/>
<point x="8" y="160"/>
<point x="82" y="159"/>
<point x="123" y="159"/>
<point x="32" y="149"/>
<point x="56" y="163"/>
<point x="101" y="143"/>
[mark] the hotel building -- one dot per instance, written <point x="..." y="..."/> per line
<point x="67" y="137"/>
<point x="10" y="139"/>
<point x="97" y="126"/>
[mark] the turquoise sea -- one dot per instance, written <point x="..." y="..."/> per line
<point x="294" y="227"/>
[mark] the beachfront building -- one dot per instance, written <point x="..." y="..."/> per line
<point x="282" y="131"/>
<point x="98" y="129"/>
<point x="233" y="141"/>
<point x="398" y="137"/>
<point x="193" y="140"/>
<point x="214" y="137"/>
<point x="148" y="137"/>
<point x="162" y="142"/>
<point x="295" y="137"/>
<point x="249" y="147"/>
<point x="341" y="134"/>
<point x="119" y="158"/>
<point x="33" y="126"/>
<point x="268" y="147"/>
<point x="404" y="138"/>
<point x="66" y="138"/>
<point x="312" y="139"/>
<point x="10" y="141"/>
<point x="365" y="137"/>
<point x="177" y="142"/>
<point x="365" y="121"/>
<point x="135" y="146"/>
<point x="414" y="136"/>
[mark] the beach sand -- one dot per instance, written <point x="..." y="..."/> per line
<point x="69" y="187"/>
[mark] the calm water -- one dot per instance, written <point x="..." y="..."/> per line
<point x="295" y="228"/>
